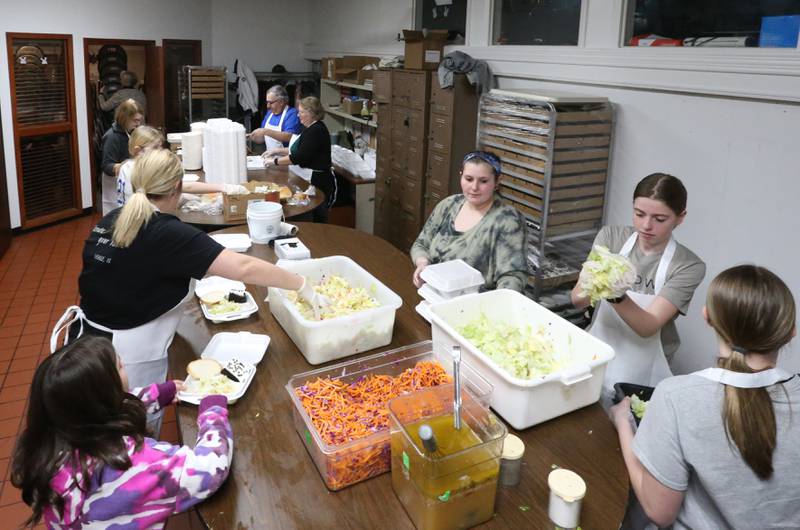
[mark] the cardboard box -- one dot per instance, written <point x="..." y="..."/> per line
<point x="234" y="207"/>
<point x="353" y="106"/>
<point x="328" y="66"/>
<point x="365" y="76"/>
<point x="350" y="66"/>
<point x="424" y="51"/>
<point x="779" y="32"/>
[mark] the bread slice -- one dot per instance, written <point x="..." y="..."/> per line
<point x="213" y="297"/>
<point x="203" y="368"/>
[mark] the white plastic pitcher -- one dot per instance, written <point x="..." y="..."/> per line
<point x="264" y="220"/>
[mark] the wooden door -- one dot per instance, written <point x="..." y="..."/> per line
<point x="5" y="221"/>
<point x="154" y="85"/>
<point x="43" y="110"/>
<point x="177" y="54"/>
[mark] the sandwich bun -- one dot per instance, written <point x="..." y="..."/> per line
<point x="203" y="368"/>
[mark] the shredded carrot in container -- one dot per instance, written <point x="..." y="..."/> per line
<point x="343" y="412"/>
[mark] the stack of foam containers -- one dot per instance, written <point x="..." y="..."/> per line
<point x="224" y="152"/>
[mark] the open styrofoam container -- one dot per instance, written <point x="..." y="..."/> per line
<point x="245" y="346"/>
<point x="452" y="278"/>
<point x="326" y="340"/>
<point x="521" y="402"/>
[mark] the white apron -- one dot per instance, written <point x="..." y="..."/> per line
<point x="269" y="142"/>
<point x="637" y="360"/>
<point x="761" y="379"/>
<point x="108" y="193"/>
<point x="301" y="172"/>
<point x="143" y="349"/>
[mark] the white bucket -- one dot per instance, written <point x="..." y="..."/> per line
<point x="264" y="220"/>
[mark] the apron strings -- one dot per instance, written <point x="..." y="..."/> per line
<point x="72" y="314"/>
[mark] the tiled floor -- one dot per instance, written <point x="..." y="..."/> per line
<point x="38" y="280"/>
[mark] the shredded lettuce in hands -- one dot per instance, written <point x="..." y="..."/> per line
<point x="605" y="275"/>
<point x="344" y="299"/>
<point x="638" y="406"/>
<point x="520" y="351"/>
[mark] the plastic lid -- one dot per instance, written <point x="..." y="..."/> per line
<point x="452" y="276"/>
<point x="566" y="484"/>
<point x="513" y="448"/>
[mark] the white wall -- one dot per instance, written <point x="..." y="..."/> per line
<point x="725" y="121"/>
<point x="357" y="27"/>
<point x="143" y="19"/>
<point x="262" y="33"/>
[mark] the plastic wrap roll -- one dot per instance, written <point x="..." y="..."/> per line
<point x="241" y="150"/>
<point x="192" y="150"/>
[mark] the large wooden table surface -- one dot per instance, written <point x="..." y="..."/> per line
<point x="274" y="483"/>
<point x="280" y="175"/>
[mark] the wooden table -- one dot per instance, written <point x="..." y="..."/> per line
<point x="274" y="483"/>
<point x="280" y="175"/>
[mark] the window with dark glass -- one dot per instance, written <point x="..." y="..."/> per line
<point x="536" y="22"/>
<point x="717" y="23"/>
<point x="443" y="14"/>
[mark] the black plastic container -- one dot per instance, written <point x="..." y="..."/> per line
<point x="628" y="389"/>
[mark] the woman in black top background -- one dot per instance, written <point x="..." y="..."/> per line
<point x="311" y="150"/>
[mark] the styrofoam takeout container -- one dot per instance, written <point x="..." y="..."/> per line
<point x="245" y="346"/>
<point x="326" y="340"/>
<point x="234" y="242"/>
<point x="222" y="348"/>
<point x="521" y="402"/>
<point x="452" y="278"/>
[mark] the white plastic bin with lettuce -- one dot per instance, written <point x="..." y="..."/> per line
<point x="541" y="365"/>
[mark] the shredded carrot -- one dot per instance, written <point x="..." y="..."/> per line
<point x="342" y="412"/>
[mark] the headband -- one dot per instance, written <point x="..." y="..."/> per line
<point x="489" y="158"/>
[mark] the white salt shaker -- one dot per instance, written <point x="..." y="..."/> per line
<point x="567" y="489"/>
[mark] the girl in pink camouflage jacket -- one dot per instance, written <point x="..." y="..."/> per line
<point x="84" y="460"/>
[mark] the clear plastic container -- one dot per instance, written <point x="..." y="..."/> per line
<point x="455" y="486"/>
<point x="323" y="341"/>
<point x="526" y="402"/>
<point x="352" y="462"/>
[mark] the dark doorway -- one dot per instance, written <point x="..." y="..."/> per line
<point x="140" y="59"/>
<point x="177" y="54"/>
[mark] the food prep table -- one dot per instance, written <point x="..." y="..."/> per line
<point x="273" y="482"/>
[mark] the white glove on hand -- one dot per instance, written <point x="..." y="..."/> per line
<point x="235" y="189"/>
<point x="317" y="301"/>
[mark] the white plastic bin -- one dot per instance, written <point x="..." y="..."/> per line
<point x="323" y="341"/>
<point x="524" y="403"/>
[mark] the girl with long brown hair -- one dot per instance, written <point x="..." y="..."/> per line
<point x="719" y="448"/>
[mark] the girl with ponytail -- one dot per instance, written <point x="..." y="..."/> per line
<point x="719" y="448"/>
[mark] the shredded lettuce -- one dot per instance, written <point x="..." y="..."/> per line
<point x="638" y="406"/>
<point x="344" y="299"/>
<point x="605" y="275"/>
<point x="521" y="351"/>
<point x="223" y="307"/>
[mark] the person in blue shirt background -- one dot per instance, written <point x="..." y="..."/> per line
<point x="280" y="123"/>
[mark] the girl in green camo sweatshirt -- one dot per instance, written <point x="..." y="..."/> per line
<point x="477" y="227"/>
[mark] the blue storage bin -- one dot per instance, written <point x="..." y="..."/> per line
<point x="779" y="32"/>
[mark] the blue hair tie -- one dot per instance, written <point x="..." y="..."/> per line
<point x="739" y="349"/>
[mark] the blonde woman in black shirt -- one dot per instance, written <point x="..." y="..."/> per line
<point x="311" y="150"/>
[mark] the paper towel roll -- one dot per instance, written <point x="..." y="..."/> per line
<point x="287" y="229"/>
<point x="192" y="150"/>
<point x="198" y="126"/>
